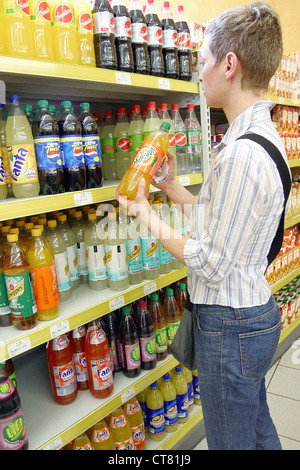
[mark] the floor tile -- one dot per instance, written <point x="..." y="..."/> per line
<point x="289" y="444"/>
<point x="285" y="413"/>
<point x="285" y="382"/>
<point x="292" y="357"/>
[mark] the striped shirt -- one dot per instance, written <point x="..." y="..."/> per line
<point x="236" y="217"/>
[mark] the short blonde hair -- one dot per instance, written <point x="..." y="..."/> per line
<point x="253" y="33"/>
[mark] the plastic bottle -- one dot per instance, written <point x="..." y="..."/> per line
<point x="182" y="395"/>
<point x="47" y="148"/>
<point x="18" y="282"/>
<point x="152" y="120"/>
<point x="123" y="36"/>
<point x="95" y="253"/>
<point x="98" y="360"/>
<point x="109" y="165"/>
<point x="135" y="131"/>
<point x="155" y="40"/>
<point x="5" y="311"/>
<point x="180" y="141"/>
<point x="40" y="24"/>
<point x="122" y="143"/>
<point x="65" y="47"/>
<point x="116" y="256"/>
<point x="21" y="153"/>
<point x="43" y="272"/>
<point x="71" y="245"/>
<point x="121" y="430"/>
<point x="62" y="370"/>
<point x="181" y="298"/>
<point x="134" y="415"/>
<point x="3" y="185"/>
<point x="188" y="376"/>
<point x="16" y="29"/>
<point x="193" y="130"/>
<point x="112" y="327"/>
<point x="139" y="38"/>
<point x="77" y="340"/>
<point x="149" y="158"/>
<point x="171" y="314"/>
<point x="176" y="222"/>
<point x="10" y="371"/>
<point x="82" y="442"/>
<point x="146" y="335"/>
<point x="142" y="399"/>
<point x="197" y="397"/>
<point x="104" y="35"/>
<point x="101" y="437"/>
<point x="165" y="117"/>
<point x="170" y="43"/>
<point x="13" y="435"/>
<point x="79" y="228"/>
<point x="3" y="151"/>
<point x="156" y="416"/>
<point x="168" y="392"/>
<point x="84" y="32"/>
<point x="72" y="149"/>
<point x="61" y="260"/>
<point x="184" y="45"/>
<point x="91" y="147"/>
<point x="134" y="251"/>
<point x="159" y="324"/>
<point x="129" y="345"/>
<point x="165" y="256"/>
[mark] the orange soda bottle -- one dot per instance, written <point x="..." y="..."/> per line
<point x="134" y="414"/>
<point x="64" y="31"/>
<point x="77" y="340"/>
<point x="17" y="31"/>
<point x="147" y="161"/>
<point x="40" y="23"/>
<point x="101" y="437"/>
<point x="82" y="442"/>
<point x="121" y="430"/>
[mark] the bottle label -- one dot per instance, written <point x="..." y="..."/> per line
<point x="86" y="22"/>
<point x="12" y="428"/>
<point x="194" y="138"/>
<point x="172" y="140"/>
<point x="170" y="39"/>
<point x="23" y="6"/>
<point x="135" y="142"/>
<point x="20" y="296"/>
<point x="65" y="379"/>
<point x="161" y="339"/>
<point x="165" y="256"/>
<point x="79" y="360"/>
<point x="6" y="164"/>
<point x="47" y="149"/>
<point x="170" y="409"/>
<point x="157" y="424"/>
<point x="102" y="373"/>
<point x="155" y="37"/>
<point x="184" y="41"/>
<point x="116" y="262"/>
<point x="72" y="151"/>
<point x="181" y="139"/>
<point x="2" y="172"/>
<point x="132" y="356"/>
<point x="196" y="387"/>
<point x="97" y="337"/>
<point x="4" y="304"/>
<point x="96" y="262"/>
<point x="127" y="444"/>
<point x="73" y="262"/>
<point x="82" y="259"/>
<point x="39" y="9"/>
<point x="103" y="22"/>
<point x="63" y="14"/>
<point x="121" y="144"/>
<point x="139" y="33"/>
<point x="190" y="393"/>
<point x="23" y="168"/>
<point x="182" y="405"/>
<point x="139" y="436"/>
<point x="132" y="408"/>
<point x="134" y="256"/>
<point x="122" y="27"/>
<point x="147" y="347"/>
<point x="150" y="254"/>
<point x="45" y="287"/>
<point x="91" y="148"/>
<point x="148" y="159"/>
<point x="171" y="331"/>
<point x="63" y="273"/>
<point x="107" y="146"/>
<point x="60" y="342"/>
<point x="101" y="435"/>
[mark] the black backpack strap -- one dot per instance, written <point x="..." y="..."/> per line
<point x="285" y="176"/>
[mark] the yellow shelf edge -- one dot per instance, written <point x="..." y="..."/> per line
<point x="294" y="163"/>
<point x="292" y="221"/>
<point x="284" y="101"/>
<point x="283" y="282"/>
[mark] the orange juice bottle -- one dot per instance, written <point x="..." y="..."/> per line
<point x="147" y="161"/>
<point x="121" y="430"/>
<point x="101" y="437"/>
<point x="134" y="414"/>
<point x="40" y="23"/>
<point x="44" y="276"/>
<point x="64" y="31"/>
<point x="17" y="28"/>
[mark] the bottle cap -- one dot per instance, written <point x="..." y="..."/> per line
<point x="169" y="291"/>
<point x="166" y="125"/>
<point x="182" y="286"/>
<point x="153" y="386"/>
<point x="179" y="9"/>
<point x="126" y="310"/>
<point x="190" y="106"/>
<point x="14" y="99"/>
<point x="5" y="228"/>
<point x="142" y="304"/>
<point x="27" y="107"/>
<point x="52" y="223"/>
<point x="12" y="237"/>
<point x="36" y="232"/>
<point x="62" y="217"/>
<point x="136" y="107"/>
<point x="66" y="104"/>
<point x="154" y="297"/>
<point x="84" y="105"/>
<point x="166" y="5"/>
<point x="42" y="104"/>
<point x="151" y="104"/>
<point x="167" y="377"/>
<point x="121" y="111"/>
<point x="175" y="106"/>
<point x="78" y="214"/>
<point x="108" y="113"/>
<point x="178" y="369"/>
<point x="164" y="106"/>
<point x="14" y="230"/>
<point x="92" y="216"/>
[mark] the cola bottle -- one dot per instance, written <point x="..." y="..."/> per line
<point x="155" y="40"/>
<point x="170" y="43"/>
<point x="184" y="45"/>
<point x="139" y="38"/>
<point x="123" y="36"/>
<point x="104" y="35"/>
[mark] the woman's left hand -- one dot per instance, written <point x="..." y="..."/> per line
<point x="140" y="207"/>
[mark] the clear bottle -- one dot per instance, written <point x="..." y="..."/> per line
<point x="134" y="414"/>
<point x="40" y="24"/>
<point x="109" y="165"/>
<point x="168" y="392"/>
<point x="71" y="245"/>
<point x="139" y="38"/>
<point x="116" y="256"/>
<point x="20" y="148"/>
<point x="122" y="143"/>
<point x="180" y="141"/>
<point x="171" y="314"/>
<point x="152" y="121"/>
<point x="129" y="345"/>
<point x="156" y="415"/>
<point x="3" y="151"/>
<point x="84" y="32"/>
<point x="79" y="228"/>
<point x="170" y="43"/>
<point x="95" y="252"/>
<point x="134" y="251"/>
<point x="64" y="32"/>
<point x="182" y="395"/>
<point x="176" y="222"/>
<point x="165" y="117"/>
<point x="146" y="333"/>
<point x="159" y="324"/>
<point x="194" y="137"/>
<point x="165" y="256"/>
<point x="135" y="131"/>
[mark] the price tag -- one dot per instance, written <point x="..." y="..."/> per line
<point x="59" y="329"/>
<point x="54" y="445"/>
<point x="81" y="199"/>
<point x="164" y="83"/>
<point x="116" y="303"/>
<point x="149" y="288"/>
<point x="127" y="395"/>
<point x="18" y="347"/>
<point x="184" y="180"/>
<point x="123" y="78"/>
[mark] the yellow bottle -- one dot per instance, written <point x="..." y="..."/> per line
<point x="17" y="30"/>
<point x="197" y="398"/>
<point x="82" y="442"/>
<point x="64" y="32"/>
<point x="134" y="414"/>
<point x="142" y="398"/>
<point x="147" y="161"/>
<point x="182" y="395"/>
<point x="121" y="431"/>
<point x="187" y="374"/>
<point x="84" y="32"/>
<point x="44" y="277"/>
<point x="101" y="437"/>
<point x="168" y="392"/>
<point x="155" y="405"/>
<point x="40" y="23"/>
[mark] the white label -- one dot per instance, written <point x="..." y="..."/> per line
<point x="81" y="199"/>
<point x="164" y="83"/>
<point x="184" y="180"/>
<point x="116" y="262"/>
<point x="127" y="395"/>
<point x="59" y="329"/>
<point x="154" y="36"/>
<point x="62" y="270"/>
<point x="73" y="262"/>
<point x="184" y="41"/>
<point x="82" y="261"/>
<point x="96" y="262"/>
<point x="149" y="288"/>
<point x="139" y="33"/>
<point x="123" y="78"/>
<point x="170" y="39"/>
<point x="103" y="22"/>
<point x="116" y="303"/>
<point x="122" y="27"/>
<point x="18" y="347"/>
<point x="54" y="445"/>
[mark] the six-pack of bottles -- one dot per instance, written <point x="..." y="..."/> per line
<point x="99" y="32"/>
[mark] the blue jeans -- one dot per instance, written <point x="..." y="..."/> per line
<point x="235" y="348"/>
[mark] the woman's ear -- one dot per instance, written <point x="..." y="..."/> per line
<point x="232" y="65"/>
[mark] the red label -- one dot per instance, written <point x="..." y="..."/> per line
<point x="181" y="140"/>
<point x="127" y="27"/>
<point x="144" y="33"/>
<point x="158" y="35"/>
<point x="86" y="22"/>
<point x="63" y="14"/>
<point x="44" y="10"/>
<point x="124" y="144"/>
<point x="172" y="140"/>
<point x="184" y="41"/>
<point x="23" y="5"/>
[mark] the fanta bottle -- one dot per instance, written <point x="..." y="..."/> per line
<point x="77" y="340"/>
<point x="147" y="161"/>
<point x="62" y="370"/>
<point x="134" y="414"/>
<point x="121" y="430"/>
<point x="3" y="150"/>
<point x="82" y="442"/>
<point x="98" y="360"/>
<point x="84" y="32"/>
<point x="65" y="47"/>
<point x="182" y="395"/>
<point x="168" y="392"/>
<point x="17" y="30"/>
<point x="156" y="416"/>
<point x="101" y="437"/>
<point x="122" y="143"/>
<point x="21" y="152"/>
<point x="40" y="23"/>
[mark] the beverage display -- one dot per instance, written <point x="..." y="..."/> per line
<point x="194" y="138"/>
<point x="95" y="254"/>
<point x="152" y="121"/>
<point x="82" y="442"/>
<point x="40" y="25"/>
<point x="156" y="415"/>
<point x="172" y="315"/>
<point x="5" y="312"/>
<point x="104" y="35"/>
<point x="135" y="131"/>
<point x="71" y="245"/>
<point x="129" y="345"/>
<point x="184" y="45"/>
<point x="146" y="162"/>
<point x="79" y="228"/>
<point x="17" y="31"/>
<point x="109" y="165"/>
<point x="181" y="394"/>
<point x="65" y="47"/>
<point x="112" y="328"/>
<point x="134" y="251"/>
<point x="21" y="153"/>
<point x="188" y="376"/>
<point x="159" y="324"/>
<point x="155" y="40"/>
<point x="101" y="437"/>
<point x="5" y="191"/>
<point x="77" y="341"/>
<point x="168" y="392"/>
<point x="84" y="32"/>
<point x="116" y="255"/>
<point x="121" y="430"/>
<point x="181" y="298"/>
<point x="123" y="36"/>
<point x="139" y="38"/>
<point x="72" y="149"/>
<point x="146" y="335"/>
<point x="62" y="370"/>
<point x="91" y="147"/>
<point x="20" y="294"/>
<point x="98" y="360"/>
<point x="122" y="143"/>
<point x="134" y="415"/>
<point x="170" y="43"/>
<point x="180" y="141"/>
<point x="47" y="148"/>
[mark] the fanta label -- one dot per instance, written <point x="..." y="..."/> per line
<point x="128" y="444"/>
<point x="72" y="151"/>
<point x="80" y="367"/>
<point x="139" y="437"/>
<point x="48" y="152"/>
<point x="148" y="159"/>
<point x="101" y="435"/>
<point x="65" y="379"/>
<point x="2" y="172"/>
<point x="102" y="372"/>
<point x="91" y="148"/>
<point x="23" y="166"/>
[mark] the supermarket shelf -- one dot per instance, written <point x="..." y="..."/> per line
<point x="283" y="282"/>
<point x="85" y="305"/>
<point x="13" y="208"/>
<point x="286" y="101"/>
<point x="294" y="163"/>
<point x="292" y="221"/>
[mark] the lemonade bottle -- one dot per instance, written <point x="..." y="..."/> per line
<point x="82" y="442"/>
<point x="84" y="32"/>
<point x="172" y="315"/>
<point x="3" y="150"/>
<point x="156" y="416"/>
<point x="121" y="430"/>
<point x="134" y="251"/>
<point x="101" y="437"/>
<point x="135" y="131"/>
<point x="182" y="395"/>
<point x="122" y="143"/>
<point x="20" y="149"/>
<point x="95" y="253"/>
<point x="18" y="282"/>
<point x="147" y="161"/>
<point x="17" y="29"/>
<point x="187" y="374"/>
<point x="79" y="228"/>
<point x="109" y="165"/>
<point x="134" y="414"/>
<point x="44" y="277"/>
<point x="168" y="392"/>
<point x="116" y="256"/>
<point x="152" y="121"/>
<point x="40" y="23"/>
<point x="64" y="32"/>
<point x="70" y="241"/>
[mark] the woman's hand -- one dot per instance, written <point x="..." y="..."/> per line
<point x="171" y="178"/>
<point x="140" y="207"/>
